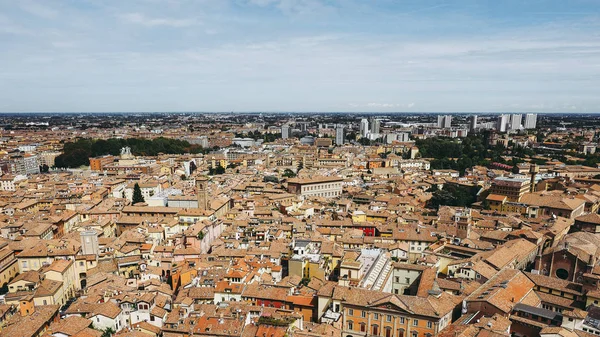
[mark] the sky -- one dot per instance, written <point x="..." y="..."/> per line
<point x="300" y="55"/>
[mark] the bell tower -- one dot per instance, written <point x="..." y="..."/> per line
<point x="533" y="171"/>
<point x="202" y="192"/>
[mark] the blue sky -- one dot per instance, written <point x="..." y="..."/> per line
<point x="300" y="55"/>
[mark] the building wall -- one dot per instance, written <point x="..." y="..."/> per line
<point x="403" y="279"/>
<point x="358" y="321"/>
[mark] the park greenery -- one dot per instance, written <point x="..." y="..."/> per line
<point x="457" y="154"/>
<point x="453" y="195"/>
<point x="77" y="153"/>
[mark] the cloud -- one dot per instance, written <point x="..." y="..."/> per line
<point x="272" y="61"/>
<point x="10" y="28"/>
<point x="383" y="106"/>
<point x="295" y="7"/>
<point x="141" y="19"/>
<point x="37" y="9"/>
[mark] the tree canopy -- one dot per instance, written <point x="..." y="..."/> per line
<point x="453" y="195"/>
<point x="450" y="153"/>
<point x="77" y="153"/>
<point x="137" y="194"/>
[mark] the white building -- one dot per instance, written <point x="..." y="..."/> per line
<point x="339" y="135"/>
<point x="244" y="142"/>
<point x="375" y="125"/>
<point x="364" y="127"/>
<point x="414" y="164"/>
<point x="108" y="315"/>
<point x="316" y="187"/>
<point x="444" y="121"/>
<point x="502" y="123"/>
<point x="285" y="131"/>
<point x="515" y="121"/>
<point x="148" y="189"/>
<point x="530" y="121"/>
<point x="473" y="123"/>
<point x="27" y="148"/>
<point x="32" y="163"/>
<point x="7" y="182"/>
<point x="203" y="140"/>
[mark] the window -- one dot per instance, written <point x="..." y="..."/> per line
<point x="388" y="318"/>
<point x="363" y="314"/>
<point x="429" y="325"/>
<point x="375" y="316"/>
<point x="562" y="274"/>
<point x="151" y="318"/>
<point x="363" y="327"/>
<point x="350" y="325"/>
<point x="415" y="322"/>
<point x="350" y="312"/>
<point x="375" y="329"/>
<point x="401" y="320"/>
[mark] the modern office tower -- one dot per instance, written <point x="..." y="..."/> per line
<point x="339" y="135"/>
<point x="515" y="121"/>
<point x="375" y="124"/>
<point x="364" y="127"/>
<point x="285" y="131"/>
<point x="530" y="121"/>
<point x="502" y="123"/>
<point x="473" y="123"/>
<point x="444" y="121"/>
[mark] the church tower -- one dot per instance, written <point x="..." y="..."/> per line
<point x="202" y="192"/>
<point x="533" y="171"/>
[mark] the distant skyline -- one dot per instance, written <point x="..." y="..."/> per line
<point x="300" y="55"/>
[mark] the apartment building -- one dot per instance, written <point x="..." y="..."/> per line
<point x="360" y="312"/>
<point x="316" y="187"/>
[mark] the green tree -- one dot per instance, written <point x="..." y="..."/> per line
<point x="137" y="194"/>
<point x="453" y="195"/>
<point x="108" y="332"/>
<point x="288" y="173"/>
<point x="364" y="141"/>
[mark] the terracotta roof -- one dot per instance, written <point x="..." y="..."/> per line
<point x="504" y="290"/>
<point x="26" y="326"/>
<point x="593" y="218"/>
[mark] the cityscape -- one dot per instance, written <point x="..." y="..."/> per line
<point x="292" y="224"/>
